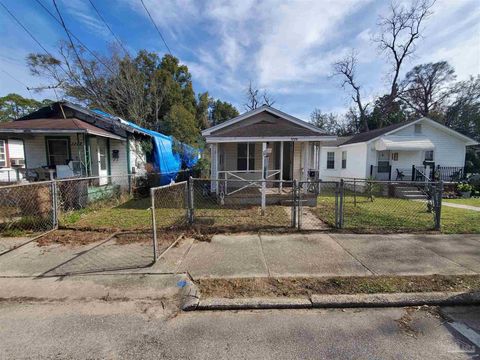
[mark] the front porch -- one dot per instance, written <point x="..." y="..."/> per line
<point x="242" y="165"/>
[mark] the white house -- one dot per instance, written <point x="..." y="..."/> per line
<point x="264" y="143"/>
<point x="413" y="150"/>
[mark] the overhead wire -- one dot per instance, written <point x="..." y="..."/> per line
<point x="156" y="27"/>
<point x="108" y="27"/>
<point x="39" y="43"/>
<point x="76" y="38"/>
<point x="80" y="62"/>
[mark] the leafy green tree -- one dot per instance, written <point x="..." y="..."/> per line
<point x="329" y="122"/>
<point x="203" y="104"/>
<point x="181" y="124"/>
<point x="14" y="106"/>
<point x="146" y="89"/>
<point x="221" y="111"/>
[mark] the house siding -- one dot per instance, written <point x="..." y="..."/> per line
<point x="449" y="150"/>
<point x="356" y="162"/>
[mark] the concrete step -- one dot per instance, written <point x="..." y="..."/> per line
<point x="414" y="197"/>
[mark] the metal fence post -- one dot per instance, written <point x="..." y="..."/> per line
<point x="154" y="225"/>
<point x="336" y="205"/>
<point x="54" y="205"/>
<point x="299" y="205"/>
<point x="342" y="184"/>
<point x="294" y="204"/>
<point x="354" y="192"/>
<point x="190" y="204"/>
<point x="438" y="205"/>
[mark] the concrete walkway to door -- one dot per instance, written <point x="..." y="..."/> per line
<point x="320" y="254"/>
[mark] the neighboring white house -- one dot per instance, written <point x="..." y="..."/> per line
<point x="264" y="143"/>
<point x="411" y="150"/>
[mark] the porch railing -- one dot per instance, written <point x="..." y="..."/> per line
<point x="241" y="176"/>
<point x="418" y="173"/>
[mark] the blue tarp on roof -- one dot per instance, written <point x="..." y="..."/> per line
<point x="166" y="160"/>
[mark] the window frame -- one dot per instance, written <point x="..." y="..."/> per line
<point x="330" y="162"/>
<point x="47" y="150"/>
<point x="249" y="158"/>
<point x="427" y="152"/>
<point x="417" y="128"/>
<point x="4" y="153"/>
<point x="344" y="159"/>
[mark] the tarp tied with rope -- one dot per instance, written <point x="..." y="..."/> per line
<point x="168" y="154"/>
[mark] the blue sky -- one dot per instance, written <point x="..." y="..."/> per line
<point x="286" y="47"/>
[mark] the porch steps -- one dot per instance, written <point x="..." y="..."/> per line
<point x="409" y="192"/>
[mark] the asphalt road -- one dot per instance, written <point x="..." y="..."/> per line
<point x="150" y="330"/>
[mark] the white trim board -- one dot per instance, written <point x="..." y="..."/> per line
<point x="214" y="140"/>
<point x="263" y="108"/>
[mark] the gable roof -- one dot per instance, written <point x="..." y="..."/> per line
<point x="313" y="130"/>
<point x="374" y="134"/>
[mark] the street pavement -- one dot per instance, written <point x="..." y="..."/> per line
<point x="146" y="330"/>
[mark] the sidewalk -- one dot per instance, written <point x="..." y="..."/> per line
<point x="126" y="271"/>
<point x="320" y="254"/>
<point x="461" y="206"/>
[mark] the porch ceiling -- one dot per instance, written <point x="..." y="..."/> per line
<point x="48" y="126"/>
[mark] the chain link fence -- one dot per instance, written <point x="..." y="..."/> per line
<point x="27" y="210"/>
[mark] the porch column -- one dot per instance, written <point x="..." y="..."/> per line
<point x="214" y="168"/>
<point x="281" y="166"/>
<point x="264" y="176"/>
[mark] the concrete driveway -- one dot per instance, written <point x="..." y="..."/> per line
<point x="321" y="254"/>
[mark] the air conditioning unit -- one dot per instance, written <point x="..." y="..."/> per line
<point x="17" y="162"/>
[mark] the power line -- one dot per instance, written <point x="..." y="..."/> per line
<point x="39" y="44"/>
<point x="153" y="22"/>
<point x="76" y="38"/>
<point x="108" y="27"/>
<point x="80" y="62"/>
<point x="24" y="28"/>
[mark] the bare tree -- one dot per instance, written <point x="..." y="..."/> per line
<point x="346" y="68"/>
<point x="398" y="34"/>
<point x="256" y="99"/>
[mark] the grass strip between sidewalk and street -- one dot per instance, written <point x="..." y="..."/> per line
<point x="297" y="287"/>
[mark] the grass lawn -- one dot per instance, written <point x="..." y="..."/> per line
<point x="471" y="201"/>
<point x="396" y="215"/>
<point x="458" y="221"/>
<point x="134" y="215"/>
<point x="380" y="214"/>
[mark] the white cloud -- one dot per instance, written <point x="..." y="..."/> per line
<point x="293" y="36"/>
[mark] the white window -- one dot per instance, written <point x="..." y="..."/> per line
<point x="330" y="160"/>
<point x="418" y="128"/>
<point x="3" y="154"/>
<point x="246" y="156"/>
<point x="429" y="155"/>
<point x="344" y="159"/>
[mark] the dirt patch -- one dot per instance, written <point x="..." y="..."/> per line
<point x="405" y="322"/>
<point x="72" y="237"/>
<point x="294" y="287"/>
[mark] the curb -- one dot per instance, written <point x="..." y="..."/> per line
<point x="254" y="303"/>
<point x="395" y="300"/>
<point x="192" y="301"/>
<point x="190" y="295"/>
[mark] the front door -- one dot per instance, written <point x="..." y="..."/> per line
<point x="383" y="165"/>
<point x="102" y="157"/>
<point x="287" y="160"/>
